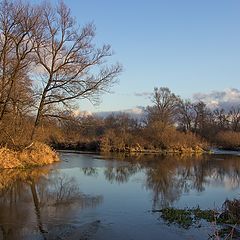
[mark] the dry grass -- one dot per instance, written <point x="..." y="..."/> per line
<point x="36" y="155"/>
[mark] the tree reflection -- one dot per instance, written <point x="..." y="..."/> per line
<point x="121" y="174"/>
<point x="168" y="177"/>
<point x="28" y="198"/>
<point x="90" y="171"/>
<point x="37" y="208"/>
<point x="172" y="176"/>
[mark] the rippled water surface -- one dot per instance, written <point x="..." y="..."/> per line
<point x="89" y="196"/>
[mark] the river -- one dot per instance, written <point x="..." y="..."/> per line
<point x="89" y="196"/>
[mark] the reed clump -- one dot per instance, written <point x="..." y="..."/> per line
<point x="36" y="154"/>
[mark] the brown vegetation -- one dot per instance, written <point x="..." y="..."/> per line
<point x="228" y="139"/>
<point x="35" y="155"/>
<point x="170" y="125"/>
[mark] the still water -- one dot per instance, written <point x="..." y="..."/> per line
<point x="88" y="196"/>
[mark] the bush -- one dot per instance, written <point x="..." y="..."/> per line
<point x="169" y="138"/>
<point x="37" y="154"/>
<point x="228" y="140"/>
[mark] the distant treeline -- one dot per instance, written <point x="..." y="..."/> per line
<point x="169" y="124"/>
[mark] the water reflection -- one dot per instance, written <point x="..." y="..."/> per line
<point x="169" y="177"/>
<point x="90" y="171"/>
<point x="29" y="198"/>
<point x="121" y="174"/>
<point x="49" y="204"/>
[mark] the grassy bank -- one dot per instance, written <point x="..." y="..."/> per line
<point x="37" y="154"/>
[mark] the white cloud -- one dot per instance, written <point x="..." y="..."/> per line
<point x="142" y="94"/>
<point x="82" y="113"/>
<point x="136" y="112"/>
<point x="220" y="99"/>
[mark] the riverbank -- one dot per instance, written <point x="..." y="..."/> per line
<point x="37" y="154"/>
<point x="95" y="146"/>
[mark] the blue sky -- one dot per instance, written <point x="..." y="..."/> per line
<point x="186" y="45"/>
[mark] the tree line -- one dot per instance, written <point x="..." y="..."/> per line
<point x="170" y="123"/>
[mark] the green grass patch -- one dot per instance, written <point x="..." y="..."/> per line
<point x="226" y="220"/>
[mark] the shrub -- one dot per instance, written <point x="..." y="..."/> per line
<point x="35" y="155"/>
<point x="169" y="138"/>
<point x="228" y="139"/>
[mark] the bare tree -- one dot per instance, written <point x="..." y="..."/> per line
<point x="17" y="21"/>
<point x="185" y="115"/>
<point x="202" y="118"/>
<point x="221" y="119"/>
<point x="165" y="106"/>
<point x="71" y="67"/>
<point x="234" y="118"/>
